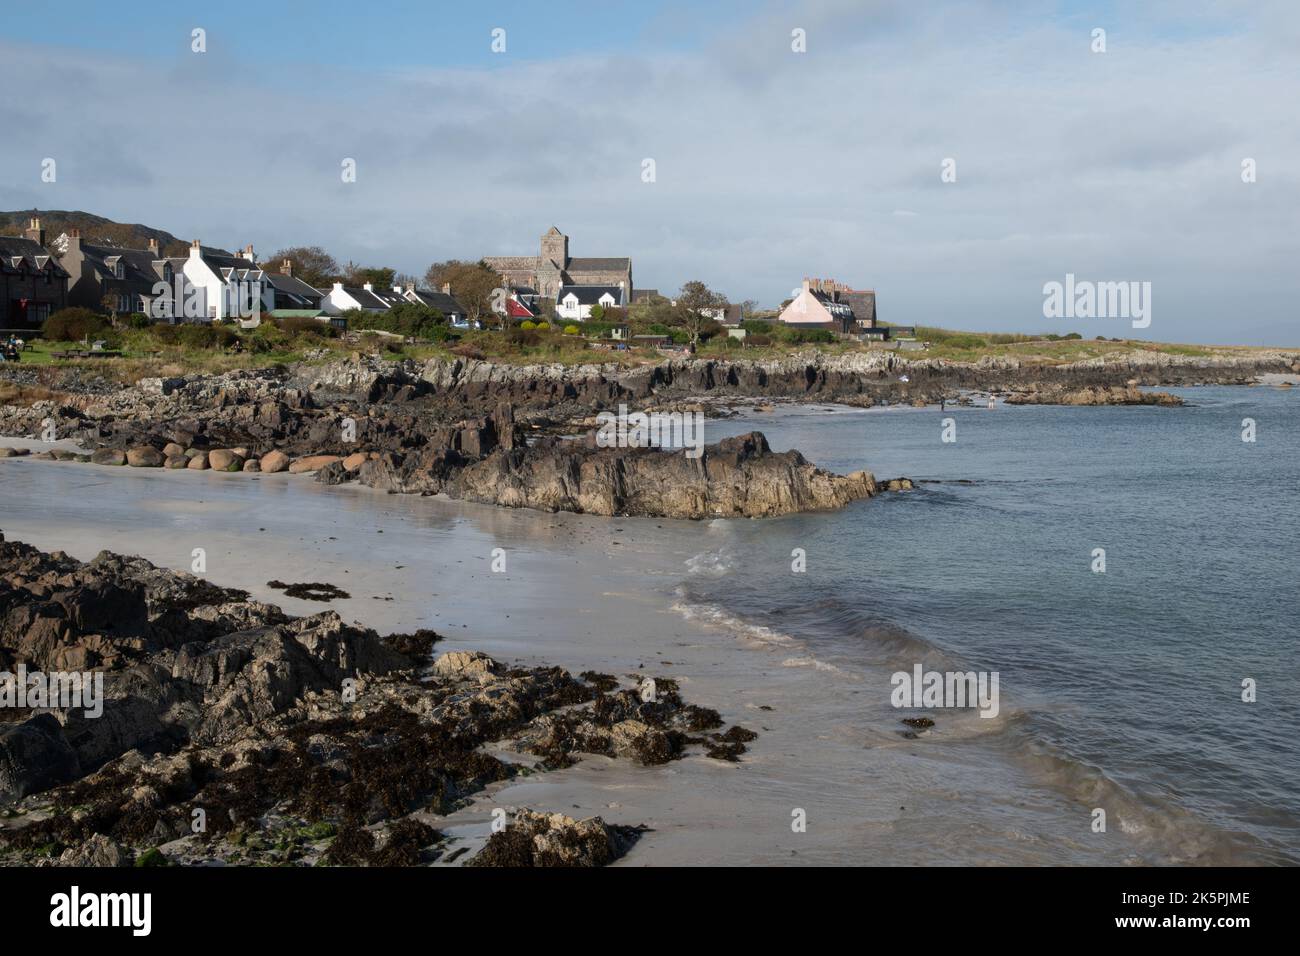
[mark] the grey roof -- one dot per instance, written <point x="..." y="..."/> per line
<point x="291" y="286"/>
<point x="15" y="250"/>
<point x="589" y="294"/>
<point x="137" y="264"/>
<point x="441" y="301"/>
<point x="590" y="264"/>
<point x="365" y="299"/>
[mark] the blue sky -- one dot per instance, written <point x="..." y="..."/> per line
<point x="770" y="164"/>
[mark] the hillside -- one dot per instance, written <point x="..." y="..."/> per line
<point x="95" y="230"/>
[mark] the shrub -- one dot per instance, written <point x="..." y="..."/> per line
<point x="597" y="311"/>
<point x="138" y="320"/>
<point x="528" y="325"/>
<point x="305" y="325"/>
<point x="543" y="326"/>
<point x="73" y="324"/>
<point x="570" y="330"/>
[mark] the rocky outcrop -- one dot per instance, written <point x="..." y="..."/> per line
<point x="1094" y="395"/>
<point x="551" y="839"/>
<point x="300" y="740"/>
<point x="736" y="477"/>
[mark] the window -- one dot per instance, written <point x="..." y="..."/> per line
<point x="119" y="271"/>
<point x="123" y="302"/>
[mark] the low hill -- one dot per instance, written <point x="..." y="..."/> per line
<point x="95" y="230"/>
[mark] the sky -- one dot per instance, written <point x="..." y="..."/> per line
<point x="769" y="164"/>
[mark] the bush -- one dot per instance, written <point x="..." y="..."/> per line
<point x="192" y="336"/>
<point x="528" y="325"/>
<point x="304" y="325"/>
<point x="570" y="330"/>
<point x="543" y="326"/>
<point x="73" y="324"/>
<point x="138" y="320"/>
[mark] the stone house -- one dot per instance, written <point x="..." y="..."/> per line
<point x="32" y="282"/>
<point x="104" y="278"/>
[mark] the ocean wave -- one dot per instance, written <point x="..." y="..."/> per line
<point x="714" y="564"/>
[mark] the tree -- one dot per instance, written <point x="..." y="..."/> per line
<point x="696" y="300"/>
<point x="379" y="277"/>
<point x="312" y="264"/>
<point x="472" y="284"/>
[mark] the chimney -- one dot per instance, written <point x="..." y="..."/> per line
<point x="287" y="267"/>
<point x="446" y="288"/>
<point x="807" y="283"/>
<point x="153" y="247"/>
<point x="368" y="287"/>
<point x="248" y="253"/>
<point x="34" y="231"/>
<point x="195" y="249"/>
<point x="74" y="238"/>
<point x="338" y="287"/>
<point x="410" y="287"/>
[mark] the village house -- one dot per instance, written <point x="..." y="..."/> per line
<point x="104" y="278"/>
<point x="833" y="306"/>
<point x="32" y="282"/>
<point x="552" y="269"/>
<point x="216" y="285"/>
<point x="341" y="298"/>
<point x="442" y="301"/>
<point x="291" y="296"/>
<point x="576" y="302"/>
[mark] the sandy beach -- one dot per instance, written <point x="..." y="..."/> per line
<point x="603" y="594"/>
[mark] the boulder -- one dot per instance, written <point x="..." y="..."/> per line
<point x="274" y="461"/>
<point x="176" y="461"/>
<point x="13" y="452"/>
<point x="311" y="463"/>
<point x="108" y="456"/>
<point x="463" y="664"/>
<point x="355" y="460"/>
<point x="252" y="465"/>
<point x="97" y="850"/>
<point x="224" y="459"/>
<point x="144" y="456"/>
<point x="198" y="462"/>
<point x="552" y="839"/>
<point x="171" y="449"/>
<point x="34" y="756"/>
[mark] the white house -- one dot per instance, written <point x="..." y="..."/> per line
<point x="341" y="298"/>
<point x="577" y="301"/>
<point x="225" y="286"/>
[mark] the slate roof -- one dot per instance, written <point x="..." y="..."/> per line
<point x="137" y="264"/>
<point x="367" y="300"/>
<point x="441" y="301"/>
<point x="291" y="286"/>
<point x="16" y="250"/>
<point x="598" y="265"/>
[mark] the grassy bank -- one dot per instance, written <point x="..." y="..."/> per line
<point x="162" y="351"/>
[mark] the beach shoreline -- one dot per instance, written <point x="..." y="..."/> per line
<point x="603" y="594"/>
